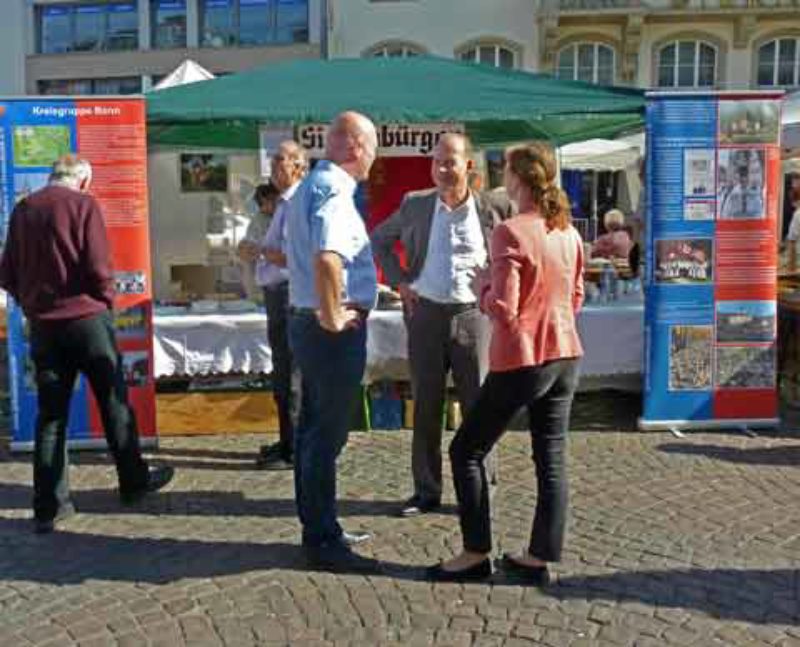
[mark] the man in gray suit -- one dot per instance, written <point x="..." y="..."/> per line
<point x="445" y="232"/>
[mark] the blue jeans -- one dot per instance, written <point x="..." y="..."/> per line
<point x="332" y="365"/>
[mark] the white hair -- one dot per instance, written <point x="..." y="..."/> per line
<point x="613" y="219"/>
<point x="71" y="170"/>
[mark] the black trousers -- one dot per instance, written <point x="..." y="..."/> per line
<point x="60" y="350"/>
<point x="284" y="380"/>
<point x="547" y="391"/>
<point x="442" y="339"/>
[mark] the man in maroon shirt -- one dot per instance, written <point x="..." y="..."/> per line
<point x="56" y="265"/>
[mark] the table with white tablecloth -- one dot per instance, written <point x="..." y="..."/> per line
<point x="209" y="344"/>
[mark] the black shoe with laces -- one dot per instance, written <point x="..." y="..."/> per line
<point x="157" y="478"/>
<point x="275" y="462"/>
<point x="480" y="571"/>
<point x="269" y="450"/>
<point x="338" y="558"/>
<point x="417" y="505"/>
<point x="45" y="526"/>
<point x="355" y="538"/>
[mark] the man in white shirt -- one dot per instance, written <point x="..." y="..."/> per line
<point x="445" y="232"/>
<point x="289" y="165"/>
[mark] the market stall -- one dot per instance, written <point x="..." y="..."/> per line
<point x="227" y="127"/>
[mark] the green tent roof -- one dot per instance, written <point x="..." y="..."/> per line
<point x="497" y="106"/>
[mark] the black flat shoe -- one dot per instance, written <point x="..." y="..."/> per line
<point x="536" y="575"/>
<point x="480" y="571"/>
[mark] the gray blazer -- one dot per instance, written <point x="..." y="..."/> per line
<point x="411" y="224"/>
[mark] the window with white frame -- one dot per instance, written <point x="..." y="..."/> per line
<point x="779" y="63"/>
<point x="495" y="54"/>
<point x="395" y="50"/>
<point x="687" y="64"/>
<point x="590" y="62"/>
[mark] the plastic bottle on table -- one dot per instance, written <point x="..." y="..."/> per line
<point x="606" y="284"/>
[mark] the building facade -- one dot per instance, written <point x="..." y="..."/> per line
<point x="124" y="46"/>
<point x="722" y="44"/>
<point x="673" y="44"/>
<point x="121" y="46"/>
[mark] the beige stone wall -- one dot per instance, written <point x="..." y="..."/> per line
<point x="437" y="27"/>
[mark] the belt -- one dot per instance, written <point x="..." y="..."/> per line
<point x="303" y="312"/>
<point x="312" y="312"/>
<point x="452" y="308"/>
<point x="283" y="285"/>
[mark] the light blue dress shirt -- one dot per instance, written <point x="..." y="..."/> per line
<point x="456" y="251"/>
<point x="322" y="217"/>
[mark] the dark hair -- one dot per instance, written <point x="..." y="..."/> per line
<point x="535" y="165"/>
<point x="265" y="192"/>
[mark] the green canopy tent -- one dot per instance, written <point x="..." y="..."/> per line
<point x="496" y="106"/>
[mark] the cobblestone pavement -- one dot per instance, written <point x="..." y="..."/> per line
<point x="691" y="541"/>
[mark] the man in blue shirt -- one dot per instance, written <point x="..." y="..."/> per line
<point x="332" y="288"/>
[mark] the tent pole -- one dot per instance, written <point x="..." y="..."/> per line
<point x="594" y="203"/>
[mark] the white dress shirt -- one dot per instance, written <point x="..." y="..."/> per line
<point x="456" y="251"/>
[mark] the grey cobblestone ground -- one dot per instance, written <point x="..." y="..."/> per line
<point x="672" y="542"/>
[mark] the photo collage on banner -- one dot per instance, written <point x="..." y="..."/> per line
<point x="111" y="135"/>
<point x="713" y="164"/>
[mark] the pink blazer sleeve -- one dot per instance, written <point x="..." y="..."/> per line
<point x="500" y="297"/>
<point x="578" y="292"/>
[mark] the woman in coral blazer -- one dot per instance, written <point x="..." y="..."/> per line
<point x="532" y="296"/>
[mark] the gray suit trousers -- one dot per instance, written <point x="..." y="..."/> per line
<point x="442" y="339"/>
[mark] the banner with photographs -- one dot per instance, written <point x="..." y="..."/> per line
<point x="713" y="174"/>
<point x="111" y="135"/>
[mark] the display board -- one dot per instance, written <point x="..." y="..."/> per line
<point x="713" y="173"/>
<point x="110" y="133"/>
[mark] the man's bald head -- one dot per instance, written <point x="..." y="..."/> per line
<point x="352" y="143"/>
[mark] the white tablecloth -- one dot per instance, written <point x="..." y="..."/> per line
<point x="226" y="343"/>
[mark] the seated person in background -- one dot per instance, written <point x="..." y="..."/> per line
<point x="616" y="242"/>
<point x="793" y="235"/>
<point x="634" y="257"/>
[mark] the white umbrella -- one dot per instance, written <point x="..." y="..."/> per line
<point x="599" y="155"/>
<point x="186" y="72"/>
